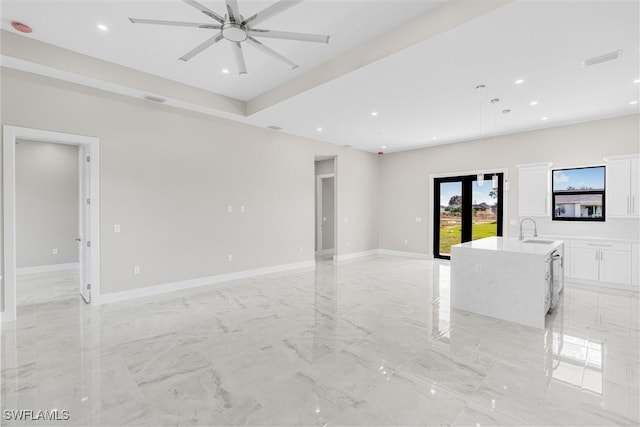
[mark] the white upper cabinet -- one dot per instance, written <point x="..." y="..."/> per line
<point x="533" y="189"/>
<point x="623" y="186"/>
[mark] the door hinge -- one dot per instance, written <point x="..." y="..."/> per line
<point x="88" y="286"/>
<point x="89" y="243"/>
<point x="88" y="159"/>
<point x="88" y="201"/>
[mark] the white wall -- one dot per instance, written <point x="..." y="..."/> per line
<point x="167" y="178"/>
<point x="46" y="203"/>
<point x="404" y="177"/>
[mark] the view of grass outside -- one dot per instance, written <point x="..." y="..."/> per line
<point x="450" y="234"/>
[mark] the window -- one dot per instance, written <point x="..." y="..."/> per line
<point x="578" y="194"/>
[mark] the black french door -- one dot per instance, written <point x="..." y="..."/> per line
<point x="466" y="209"/>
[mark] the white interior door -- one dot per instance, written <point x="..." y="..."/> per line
<point x="84" y="233"/>
<point x="327" y="219"/>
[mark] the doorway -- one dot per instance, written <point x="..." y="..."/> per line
<point x="325" y="223"/>
<point x="466" y="208"/>
<point x="88" y="233"/>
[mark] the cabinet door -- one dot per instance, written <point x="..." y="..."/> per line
<point x="635" y="187"/>
<point x="584" y="263"/>
<point x="533" y="191"/>
<point x="615" y="267"/>
<point x="618" y="188"/>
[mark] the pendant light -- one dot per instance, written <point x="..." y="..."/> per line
<point x="480" y="89"/>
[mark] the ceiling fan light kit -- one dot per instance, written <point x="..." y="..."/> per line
<point x="234" y="28"/>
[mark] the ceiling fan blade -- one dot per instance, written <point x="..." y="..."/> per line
<point x="210" y="13"/>
<point x="175" y="23"/>
<point x="271" y="11"/>
<point x="239" y="56"/>
<point x="270" y="52"/>
<point x="202" y="46"/>
<point x="232" y="10"/>
<point x="286" y="35"/>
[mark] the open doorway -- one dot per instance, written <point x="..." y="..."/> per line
<point x="47" y="222"/>
<point x="36" y="238"/>
<point x="325" y="223"/>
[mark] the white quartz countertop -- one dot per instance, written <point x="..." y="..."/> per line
<point x="512" y="244"/>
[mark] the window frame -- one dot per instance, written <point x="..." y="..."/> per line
<point x="555" y="193"/>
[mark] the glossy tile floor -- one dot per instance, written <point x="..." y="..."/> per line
<point x="369" y="342"/>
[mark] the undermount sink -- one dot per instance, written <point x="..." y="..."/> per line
<point x="538" y="242"/>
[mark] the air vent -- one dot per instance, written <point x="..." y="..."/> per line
<point x="272" y="127"/>
<point x="602" y="58"/>
<point x="155" y="99"/>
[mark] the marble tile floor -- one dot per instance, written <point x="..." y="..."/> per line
<point x="368" y="342"/>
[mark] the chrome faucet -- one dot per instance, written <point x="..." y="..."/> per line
<point x="535" y="228"/>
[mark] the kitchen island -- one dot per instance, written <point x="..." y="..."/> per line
<point x="507" y="278"/>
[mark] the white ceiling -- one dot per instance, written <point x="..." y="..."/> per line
<point x="155" y="49"/>
<point x="424" y="91"/>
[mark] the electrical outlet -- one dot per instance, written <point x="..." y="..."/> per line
<point x="136" y="269"/>
<point x="116" y="228"/>
<point x="229" y="257"/>
<point x="229" y="208"/>
<point x="478" y="268"/>
<point x="300" y="249"/>
<point x="346" y="219"/>
<point x="513" y="222"/>
<point x="348" y="243"/>
<point x="406" y="242"/>
<point x="54" y="251"/>
<point x="418" y="219"/>
<point x="242" y="209"/>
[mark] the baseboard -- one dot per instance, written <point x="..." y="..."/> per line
<point x="355" y="255"/>
<point x="194" y="283"/>
<point x="416" y="255"/>
<point x="633" y="288"/>
<point x="324" y="252"/>
<point x="48" y="268"/>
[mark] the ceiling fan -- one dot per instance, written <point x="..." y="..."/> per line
<point x="234" y="28"/>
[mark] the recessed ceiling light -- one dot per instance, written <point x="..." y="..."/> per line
<point x="384" y="146"/>
<point x="533" y="103"/>
<point x="633" y="102"/>
<point x="636" y="81"/>
<point x="519" y="81"/>
<point x="374" y="113"/>
<point x="545" y="118"/>
<point x="102" y="27"/>
<point x="225" y="71"/>
<point x="434" y="138"/>
<point x="319" y="129"/>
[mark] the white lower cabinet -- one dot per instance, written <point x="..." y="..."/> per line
<point x="601" y="261"/>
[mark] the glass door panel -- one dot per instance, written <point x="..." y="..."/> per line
<point x="450" y="222"/>
<point x="484" y="210"/>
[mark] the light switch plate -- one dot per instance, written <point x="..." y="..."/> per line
<point x="116" y="228"/>
<point x="229" y="208"/>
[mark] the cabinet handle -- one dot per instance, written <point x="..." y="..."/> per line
<point x="628" y="205"/>
<point x="602" y="245"/>
<point x="597" y="254"/>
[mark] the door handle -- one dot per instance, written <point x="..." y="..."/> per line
<point x="78" y="239"/>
